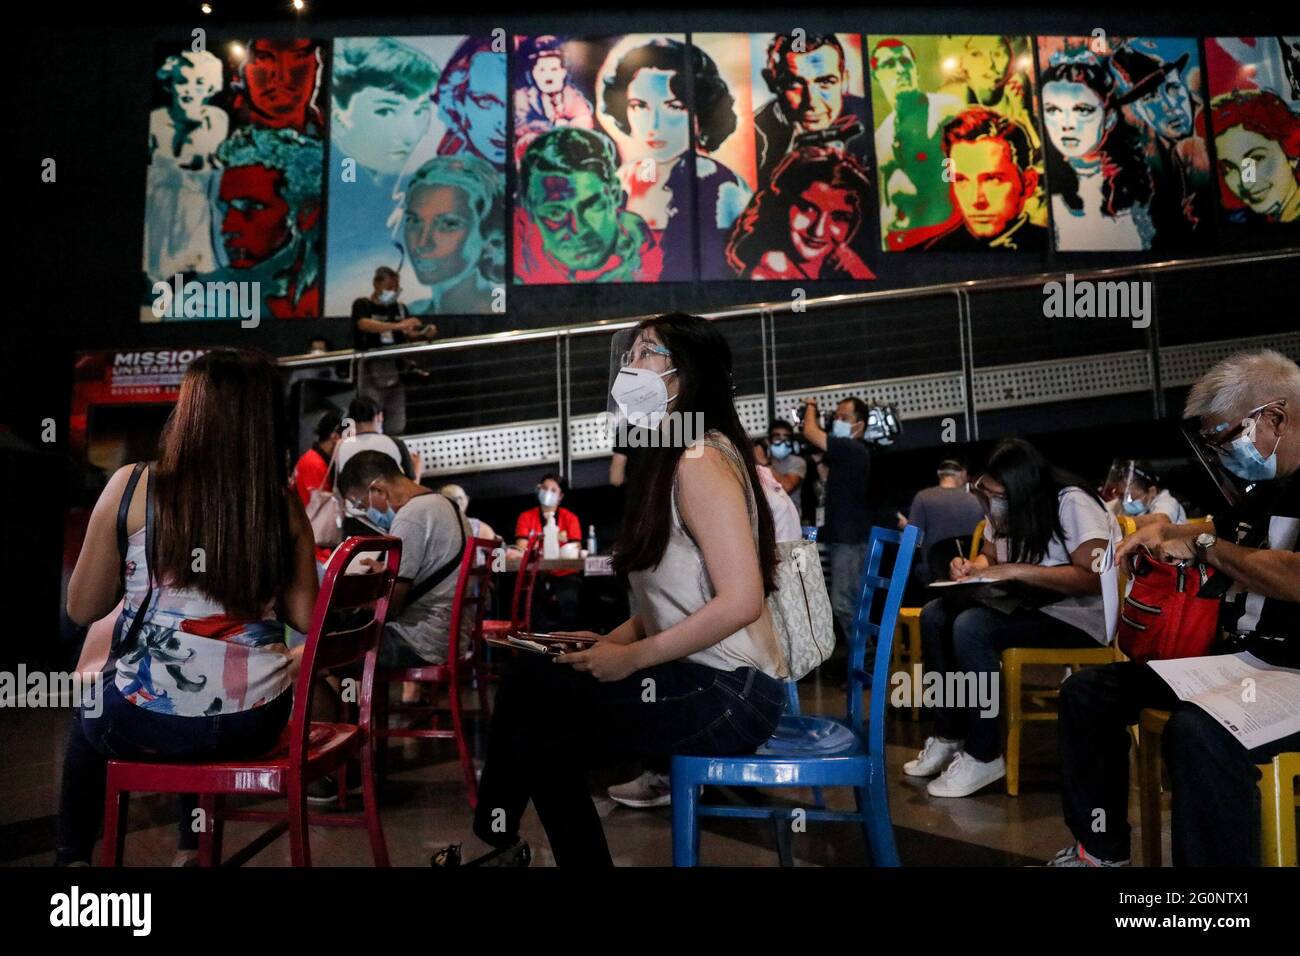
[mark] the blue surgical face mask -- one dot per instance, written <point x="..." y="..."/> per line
<point x="1134" y="507"/>
<point x="1243" y="459"/>
<point x="547" y="497"/>
<point x="781" y="449"/>
<point x="841" y="429"/>
<point x="387" y="297"/>
<point x="382" y="519"/>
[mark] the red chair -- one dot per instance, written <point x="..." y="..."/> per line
<point x="521" y="604"/>
<point x="459" y="670"/>
<point x="309" y="749"/>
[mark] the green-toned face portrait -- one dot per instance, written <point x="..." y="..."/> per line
<point x="577" y="214"/>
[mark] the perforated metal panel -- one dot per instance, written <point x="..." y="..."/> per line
<point x="1183" y="364"/>
<point x="918" y="396"/>
<point x="488" y="449"/>
<point x="752" y="410"/>
<point x="1009" y="386"/>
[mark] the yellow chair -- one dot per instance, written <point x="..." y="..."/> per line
<point x="1015" y="659"/>
<point x="1277" y="797"/>
<point x="1151" y="724"/>
<point x="907" y="632"/>
<point x="1278" y="802"/>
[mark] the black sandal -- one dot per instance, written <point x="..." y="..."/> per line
<point x="516" y="855"/>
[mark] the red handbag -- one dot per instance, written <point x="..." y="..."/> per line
<point x="1164" y="615"/>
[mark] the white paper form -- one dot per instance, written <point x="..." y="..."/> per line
<point x="1256" y="702"/>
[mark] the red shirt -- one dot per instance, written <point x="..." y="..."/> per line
<point x="309" y="473"/>
<point x="530" y="522"/>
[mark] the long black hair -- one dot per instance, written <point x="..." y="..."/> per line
<point x="1033" y="488"/>
<point x="702" y="359"/>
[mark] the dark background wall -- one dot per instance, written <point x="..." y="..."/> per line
<point x="76" y="244"/>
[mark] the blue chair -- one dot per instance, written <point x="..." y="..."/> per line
<point x="816" y="752"/>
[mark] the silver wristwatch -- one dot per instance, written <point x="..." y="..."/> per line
<point x="1204" y="542"/>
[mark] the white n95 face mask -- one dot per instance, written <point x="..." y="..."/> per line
<point x="641" y="394"/>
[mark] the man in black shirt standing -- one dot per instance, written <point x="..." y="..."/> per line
<point x="379" y="319"/>
<point x="848" y="518"/>
<point x="1246" y="420"/>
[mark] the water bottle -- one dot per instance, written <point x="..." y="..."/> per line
<point x="551" y="539"/>
<point x="591" y="539"/>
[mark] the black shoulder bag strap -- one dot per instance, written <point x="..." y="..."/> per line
<point x="123" y="509"/>
<point x="137" y="622"/>
<point x="438" y="576"/>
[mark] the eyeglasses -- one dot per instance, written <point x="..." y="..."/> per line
<point x="983" y="489"/>
<point x="641" y="352"/>
<point x="1217" y="439"/>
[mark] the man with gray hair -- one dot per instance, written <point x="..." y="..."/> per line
<point x="1245" y="417"/>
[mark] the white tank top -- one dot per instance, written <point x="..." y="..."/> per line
<point x="679" y="586"/>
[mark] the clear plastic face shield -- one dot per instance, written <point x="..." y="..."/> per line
<point x="1228" y="453"/>
<point x="642" y="381"/>
<point x="1128" y="485"/>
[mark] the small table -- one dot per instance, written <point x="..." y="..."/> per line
<point x="597" y="565"/>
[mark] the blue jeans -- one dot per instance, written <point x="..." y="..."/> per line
<point x="550" y="724"/>
<point x="958" y="638"/>
<point x="124" y="731"/>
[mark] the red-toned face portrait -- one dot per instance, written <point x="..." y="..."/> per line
<point x="255" y="223"/>
<point x="281" y="77"/>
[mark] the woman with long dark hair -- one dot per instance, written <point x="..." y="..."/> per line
<point x="1045" y="530"/>
<point x="219" y="557"/>
<point x="697" y="669"/>
<point x="1096" y="167"/>
<point x="804" y="223"/>
<point x="646" y="96"/>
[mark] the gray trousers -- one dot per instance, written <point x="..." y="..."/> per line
<point x="846" y="569"/>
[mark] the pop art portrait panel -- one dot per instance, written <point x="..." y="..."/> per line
<point x="1126" y="165"/>
<point x="417" y="172"/>
<point x="233" y="191"/>
<point x="788" y="188"/>
<point x="1255" y="121"/>
<point x="603" y="159"/>
<point x="958" y="145"/>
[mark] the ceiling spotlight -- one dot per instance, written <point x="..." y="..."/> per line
<point x="205" y="8"/>
<point x="299" y="5"/>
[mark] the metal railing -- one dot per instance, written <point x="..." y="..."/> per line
<point x="506" y="399"/>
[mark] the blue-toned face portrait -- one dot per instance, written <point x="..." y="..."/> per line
<point x="659" y="120"/>
<point x="484" y="106"/>
<point x="1075" y="117"/>
<point x="380" y="128"/>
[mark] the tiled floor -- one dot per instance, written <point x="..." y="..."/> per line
<point x="424" y="807"/>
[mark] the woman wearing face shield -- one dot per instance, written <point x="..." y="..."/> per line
<point x="1132" y="488"/>
<point x="1045" y="529"/>
<point x="697" y="669"/>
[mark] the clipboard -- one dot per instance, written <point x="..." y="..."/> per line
<point x="1004" y="596"/>
<point x="547" y="644"/>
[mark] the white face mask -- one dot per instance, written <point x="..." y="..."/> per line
<point x="387" y="297"/>
<point x="548" y="498"/>
<point x="641" y="395"/>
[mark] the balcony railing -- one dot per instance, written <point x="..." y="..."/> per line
<point x="944" y="355"/>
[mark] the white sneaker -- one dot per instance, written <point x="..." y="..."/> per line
<point x="965" y="775"/>
<point x="647" y="790"/>
<point x="933" y="757"/>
